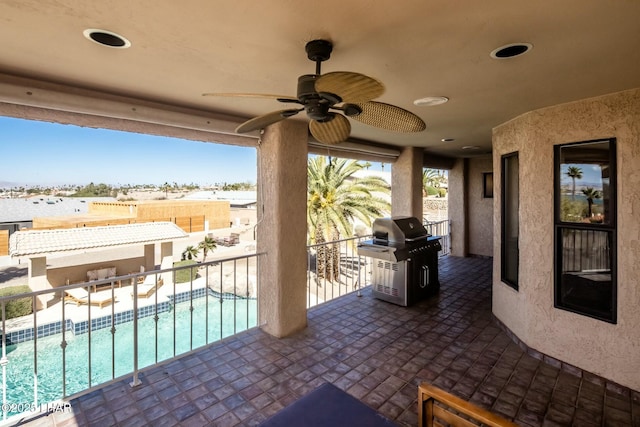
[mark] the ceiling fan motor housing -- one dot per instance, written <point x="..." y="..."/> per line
<point x="316" y="105"/>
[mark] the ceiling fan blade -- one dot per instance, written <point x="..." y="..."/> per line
<point x="261" y="122"/>
<point x="389" y="117"/>
<point x="351" y="87"/>
<point x="245" y="95"/>
<point x="331" y="132"/>
<point x="281" y="98"/>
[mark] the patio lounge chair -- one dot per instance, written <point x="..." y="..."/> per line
<point x="149" y="286"/>
<point x="81" y="296"/>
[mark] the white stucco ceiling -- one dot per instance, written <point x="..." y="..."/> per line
<point x="417" y="48"/>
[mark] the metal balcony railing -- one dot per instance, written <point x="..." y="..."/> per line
<point x="442" y="229"/>
<point x="335" y="269"/>
<point x="103" y="331"/>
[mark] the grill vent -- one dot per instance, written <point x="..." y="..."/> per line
<point x="393" y="266"/>
<point x="387" y="290"/>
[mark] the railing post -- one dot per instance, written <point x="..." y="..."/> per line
<point x="4" y="362"/>
<point x="63" y="345"/>
<point x="358" y="293"/>
<point x="34" y="306"/>
<point x="135" y="381"/>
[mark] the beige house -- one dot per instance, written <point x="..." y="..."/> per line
<point x="35" y="245"/>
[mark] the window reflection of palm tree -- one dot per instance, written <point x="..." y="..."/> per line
<point x="574" y="173"/>
<point x="591" y="194"/>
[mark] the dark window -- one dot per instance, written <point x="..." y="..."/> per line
<point x="585" y="228"/>
<point x="487" y="185"/>
<point x="510" y="220"/>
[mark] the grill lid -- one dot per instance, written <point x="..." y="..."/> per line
<point x="398" y="229"/>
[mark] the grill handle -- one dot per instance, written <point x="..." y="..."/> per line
<point x="425" y="277"/>
<point x="418" y="238"/>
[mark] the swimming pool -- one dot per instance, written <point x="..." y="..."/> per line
<point x="178" y="331"/>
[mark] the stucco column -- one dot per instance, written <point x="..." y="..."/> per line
<point x="282" y="228"/>
<point x="406" y="183"/>
<point x="37" y="279"/>
<point x="458" y="207"/>
<point x="149" y="257"/>
<point x="166" y="260"/>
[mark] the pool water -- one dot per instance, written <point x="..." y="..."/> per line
<point x="112" y="354"/>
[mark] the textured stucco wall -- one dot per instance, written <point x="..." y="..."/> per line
<point x="480" y="214"/>
<point x="406" y="183"/>
<point x="470" y="214"/>
<point x="612" y="351"/>
<point x="282" y="228"/>
<point x="457" y="208"/>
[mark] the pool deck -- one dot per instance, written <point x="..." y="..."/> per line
<point x="378" y="353"/>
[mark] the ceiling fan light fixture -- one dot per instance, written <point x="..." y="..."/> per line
<point x="430" y="101"/>
<point x="106" y="38"/>
<point x="511" y="50"/>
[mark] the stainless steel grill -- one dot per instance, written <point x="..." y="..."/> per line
<point x="405" y="269"/>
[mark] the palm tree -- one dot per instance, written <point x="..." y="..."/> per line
<point x="166" y="186"/>
<point x="190" y="252"/>
<point x="431" y="178"/>
<point x="208" y="244"/>
<point x="335" y="199"/>
<point x="591" y="194"/>
<point x="574" y="173"/>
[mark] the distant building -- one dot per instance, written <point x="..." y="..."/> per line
<point x="190" y="215"/>
<point x="236" y="199"/>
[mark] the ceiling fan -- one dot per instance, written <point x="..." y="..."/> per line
<point x="325" y="96"/>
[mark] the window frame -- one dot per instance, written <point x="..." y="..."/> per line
<point x="610" y="227"/>
<point x="503" y="223"/>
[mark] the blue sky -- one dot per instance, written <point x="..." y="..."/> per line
<point x="591" y="175"/>
<point x="41" y="153"/>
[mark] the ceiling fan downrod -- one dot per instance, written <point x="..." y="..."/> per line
<point x="319" y="51"/>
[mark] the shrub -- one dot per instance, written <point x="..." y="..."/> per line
<point x="17" y="307"/>
<point x="432" y="191"/>
<point x="184" y="275"/>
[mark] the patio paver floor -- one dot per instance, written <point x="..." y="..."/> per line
<point x="377" y="352"/>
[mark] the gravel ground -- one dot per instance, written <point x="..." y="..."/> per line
<point x="13" y="276"/>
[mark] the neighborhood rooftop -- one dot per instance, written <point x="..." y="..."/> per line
<point x="33" y="242"/>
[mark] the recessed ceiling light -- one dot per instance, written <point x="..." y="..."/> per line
<point x="430" y="101"/>
<point x="470" y="147"/>
<point x="448" y="139"/>
<point x="106" y="38"/>
<point x="511" y="50"/>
